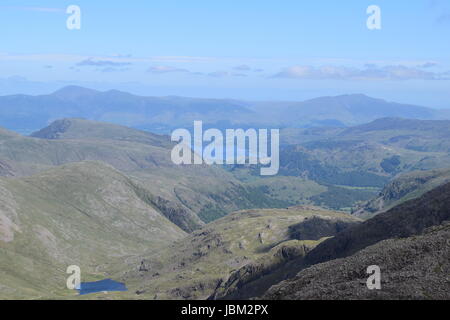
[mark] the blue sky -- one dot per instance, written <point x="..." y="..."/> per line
<point x="258" y="50"/>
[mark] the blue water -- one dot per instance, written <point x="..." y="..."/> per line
<point x="100" y="286"/>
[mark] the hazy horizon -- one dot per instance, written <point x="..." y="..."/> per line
<point x="200" y="96"/>
<point x="251" y="51"/>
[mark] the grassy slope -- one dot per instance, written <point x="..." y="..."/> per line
<point x="194" y="266"/>
<point x="332" y="158"/>
<point x="419" y="145"/>
<point x="86" y="214"/>
<point x="188" y="194"/>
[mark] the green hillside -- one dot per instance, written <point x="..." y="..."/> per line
<point x="86" y="214"/>
<point x="367" y="155"/>
<point x="188" y="195"/>
<point x="194" y="266"/>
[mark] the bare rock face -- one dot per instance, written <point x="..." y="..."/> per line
<point x="252" y="279"/>
<point x="5" y="169"/>
<point x="256" y="277"/>
<point x="402" y="222"/>
<point x="405" y="220"/>
<point x="411" y="268"/>
<point x="316" y="228"/>
<point x="54" y="130"/>
<point x="403" y="188"/>
<point x="223" y="256"/>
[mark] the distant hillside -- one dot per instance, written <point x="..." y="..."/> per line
<point x="188" y="195"/>
<point x="407" y="133"/>
<point x="402" y="124"/>
<point x="161" y="114"/>
<point x="338" y="170"/>
<point x="86" y="214"/>
<point x="406" y="187"/>
<point x="126" y="149"/>
<point x="367" y="155"/>
<point x="353" y="109"/>
<point x="27" y="114"/>
<point x="81" y="129"/>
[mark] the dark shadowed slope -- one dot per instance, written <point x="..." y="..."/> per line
<point x="411" y="268"/>
<point x="403" y="188"/>
<point x="405" y="220"/>
<point x="256" y="277"/>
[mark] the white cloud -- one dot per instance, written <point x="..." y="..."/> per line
<point x="370" y="72"/>
<point x="429" y="64"/>
<point x="166" y="69"/>
<point x="102" y="63"/>
<point x="226" y="74"/>
<point x="242" y="67"/>
<point x="219" y="74"/>
<point x="112" y="69"/>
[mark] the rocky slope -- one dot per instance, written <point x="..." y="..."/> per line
<point x="254" y="240"/>
<point x="256" y="277"/>
<point x="411" y="268"/>
<point x="403" y="188"/>
<point x="403" y="221"/>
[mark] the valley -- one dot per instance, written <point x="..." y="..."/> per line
<point x="108" y="198"/>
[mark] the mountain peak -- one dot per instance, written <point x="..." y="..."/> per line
<point x="355" y="95"/>
<point x="55" y="130"/>
<point x="70" y="92"/>
<point x="78" y="128"/>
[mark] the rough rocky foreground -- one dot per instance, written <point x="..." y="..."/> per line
<point x="411" y="268"/>
<point x="404" y="221"/>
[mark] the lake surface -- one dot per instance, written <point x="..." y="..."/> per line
<point x="101" y="286"/>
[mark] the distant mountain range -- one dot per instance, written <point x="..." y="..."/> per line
<point x="25" y="114"/>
